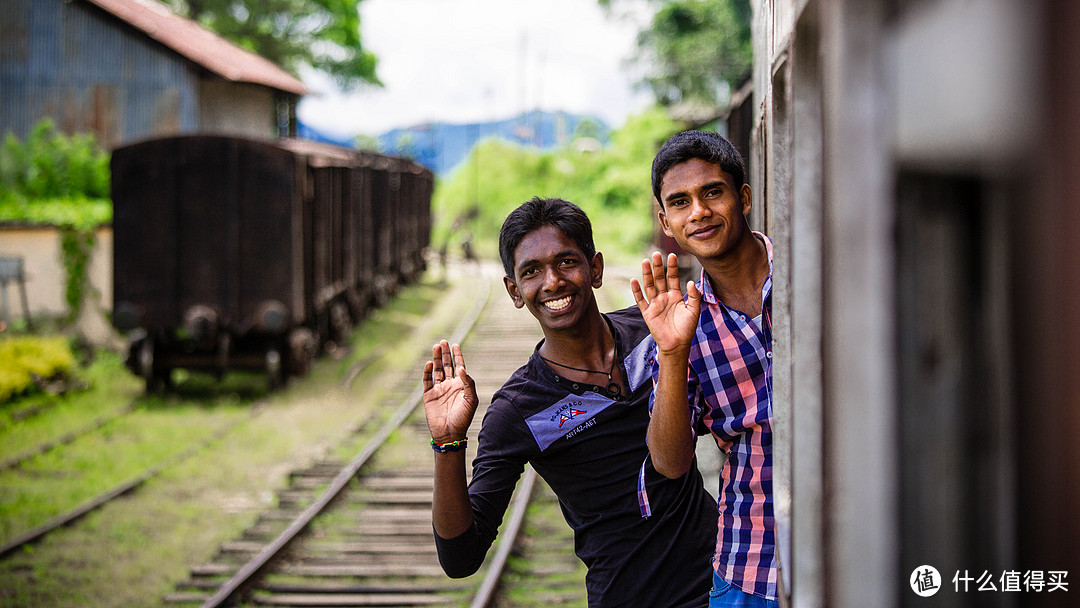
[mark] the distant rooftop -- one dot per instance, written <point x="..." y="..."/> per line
<point x="200" y="45"/>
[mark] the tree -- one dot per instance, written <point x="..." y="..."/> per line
<point x="322" y="34"/>
<point x="694" y="51"/>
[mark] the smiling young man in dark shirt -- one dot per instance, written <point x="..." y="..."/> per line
<point x="578" y="411"/>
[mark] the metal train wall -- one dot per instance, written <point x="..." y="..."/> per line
<point x="232" y="253"/>
<point x="916" y="164"/>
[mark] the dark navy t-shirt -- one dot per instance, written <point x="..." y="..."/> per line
<point x="590" y="447"/>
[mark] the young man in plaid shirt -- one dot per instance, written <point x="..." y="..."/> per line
<point x="713" y="364"/>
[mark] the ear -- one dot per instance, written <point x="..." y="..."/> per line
<point x="744" y="194"/>
<point x="512" y="289"/>
<point x="597" y="270"/>
<point x="663" y="222"/>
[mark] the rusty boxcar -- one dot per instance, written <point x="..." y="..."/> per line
<point x="234" y="253"/>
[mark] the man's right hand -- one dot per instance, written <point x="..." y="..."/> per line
<point x="672" y="322"/>
<point x="449" y="395"/>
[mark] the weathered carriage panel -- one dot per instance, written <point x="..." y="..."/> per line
<point x="268" y="252"/>
<point x="383" y="199"/>
<point x="144" y="220"/>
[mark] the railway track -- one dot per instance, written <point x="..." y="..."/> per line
<point x="69" y="437"/>
<point x="134" y="482"/>
<point x="358" y="533"/>
<point x="100" y="500"/>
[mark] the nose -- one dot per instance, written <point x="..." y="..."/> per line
<point x="698" y="209"/>
<point x="552" y="279"/>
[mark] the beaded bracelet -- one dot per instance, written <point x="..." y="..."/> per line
<point x="452" y="446"/>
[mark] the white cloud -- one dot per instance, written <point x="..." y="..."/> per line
<point x="478" y="60"/>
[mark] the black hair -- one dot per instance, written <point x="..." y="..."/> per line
<point x="538" y="212"/>
<point x="709" y="147"/>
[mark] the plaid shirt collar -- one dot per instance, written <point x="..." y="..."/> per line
<point x="705" y="285"/>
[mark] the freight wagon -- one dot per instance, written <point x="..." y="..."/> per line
<point x="233" y="253"/>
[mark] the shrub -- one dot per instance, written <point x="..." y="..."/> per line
<point x="50" y="165"/>
<point x="53" y="178"/>
<point x="23" y="360"/>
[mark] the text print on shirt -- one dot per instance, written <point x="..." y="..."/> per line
<point x="565" y="415"/>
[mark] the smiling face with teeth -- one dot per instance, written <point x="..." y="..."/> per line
<point x="554" y="279"/>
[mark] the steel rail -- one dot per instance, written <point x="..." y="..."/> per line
<point x="506" y="543"/>
<point x="67" y="438"/>
<point x="258" y="564"/>
<point x="120" y="490"/>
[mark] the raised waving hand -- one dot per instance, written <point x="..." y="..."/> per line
<point x="672" y="322"/>
<point x="449" y="394"/>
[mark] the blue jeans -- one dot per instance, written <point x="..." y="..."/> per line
<point x="726" y="595"/>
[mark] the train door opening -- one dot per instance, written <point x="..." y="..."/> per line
<point x="955" y="416"/>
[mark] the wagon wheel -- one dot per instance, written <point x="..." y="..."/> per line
<point x="275" y="371"/>
<point x="356" y="304"/>
<point x="224" y="345"/>
<point x="157" y="380"/>
<point x="302" y="350"/>
<point x="340" y="324"/>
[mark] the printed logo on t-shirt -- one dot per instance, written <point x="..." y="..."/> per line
<point x="563" y="417"/>
<point x="569" y="415"/>
<point x="639" y="363"/>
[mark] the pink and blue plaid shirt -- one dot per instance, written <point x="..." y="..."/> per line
<point x="730" y="388"/>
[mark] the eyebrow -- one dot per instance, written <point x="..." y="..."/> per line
<point x="560" y="254"/>
<point x="708" y="185"/>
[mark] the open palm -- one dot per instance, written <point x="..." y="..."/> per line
<point x="672" y="322"/>
<point x="449" y="396"/>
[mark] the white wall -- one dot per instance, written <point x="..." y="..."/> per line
<point x="43" y="268"/>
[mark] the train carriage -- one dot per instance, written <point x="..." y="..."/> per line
<point x="241" y="254"/>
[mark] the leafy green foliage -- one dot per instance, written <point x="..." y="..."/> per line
<point x="323" y="34"/>
<point x="51" y="165"/>
<point x="697" y="46"/>
<point x="24" y="358"/>
<point x="695" y="50"/>
<point x="611" y="185"/>
<point x="80" y="213"/>
<point x="76" y="247"/>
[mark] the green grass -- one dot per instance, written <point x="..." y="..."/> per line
<point x="134" y="550"/>
<point x="401" y="335"/>
<point x="41" y="418"/>
<point x="59" y="480"/>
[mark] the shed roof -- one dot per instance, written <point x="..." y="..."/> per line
<point x="200" y="45"/>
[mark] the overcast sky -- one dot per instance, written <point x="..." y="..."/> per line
<point x="478" y="60"/>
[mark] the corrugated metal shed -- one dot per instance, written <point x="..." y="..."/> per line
<point x="128" y="70"/>
<point x="201" y="45"/>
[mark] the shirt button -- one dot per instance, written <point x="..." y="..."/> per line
<point x="742" y="318"/>
<point x="575" y="385"/>
<point x="768" y="354"/>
